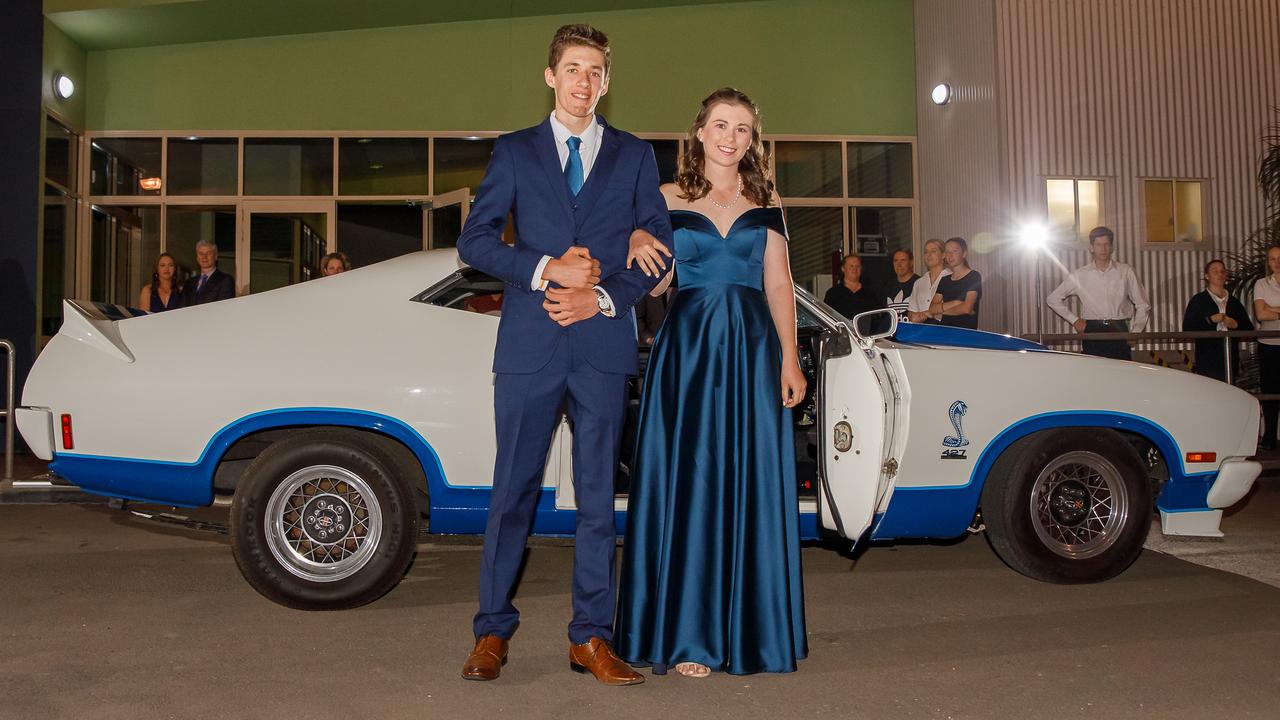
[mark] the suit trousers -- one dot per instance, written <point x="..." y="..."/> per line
<point x="527" y="411"/>
<point x="1115" y="349"/>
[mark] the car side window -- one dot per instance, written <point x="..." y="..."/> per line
<point x="468" y="290"/>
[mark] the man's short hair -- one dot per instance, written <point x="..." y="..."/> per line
<point x="910" y="255"/>
<point x="1101" y="231"/>
<point x="850" y="256"/>
<point x="581" y="35"/>
<point x="208" y="244"/>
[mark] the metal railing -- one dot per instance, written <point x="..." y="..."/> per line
<point x="10" y="375"/>
<point x="1227" y="337"/>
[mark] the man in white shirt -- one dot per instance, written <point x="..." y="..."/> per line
<point x="1111" y="298"/>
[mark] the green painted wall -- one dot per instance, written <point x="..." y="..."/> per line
<point x="62" y="54"/>
<point x="814" y="66"/>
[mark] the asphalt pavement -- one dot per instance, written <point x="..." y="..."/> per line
<point x="107" y="615"/>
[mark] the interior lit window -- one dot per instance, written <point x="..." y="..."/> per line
<point x="1073" y="206"/>
<point x="1174" y="211"/>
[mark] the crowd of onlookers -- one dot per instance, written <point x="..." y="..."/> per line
<point x="172" y="288"/>
<point x="1110" y="298"/>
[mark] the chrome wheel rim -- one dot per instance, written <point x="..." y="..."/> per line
<point x="323" y="523"/>
<point x="1079" y="505"/>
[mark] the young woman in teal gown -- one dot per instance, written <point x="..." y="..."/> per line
<point x="711" y="567"/>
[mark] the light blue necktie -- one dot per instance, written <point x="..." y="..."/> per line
<point x="573" y="167"/>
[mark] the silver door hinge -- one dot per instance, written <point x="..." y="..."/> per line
<point x="890" y="467"/>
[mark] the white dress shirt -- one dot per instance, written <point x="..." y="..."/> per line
<point x="923" y="291"/>
<point x="591" y="138"/>
<point x="1104" y="295"/>
<point x="1268" y="291"/>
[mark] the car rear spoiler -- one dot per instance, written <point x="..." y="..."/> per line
<point x="94" y="324"/>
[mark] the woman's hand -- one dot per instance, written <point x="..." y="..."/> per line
<point x="793" y="384"/>
<point x="647" y="252"/>
<point x="1230" y="322"/>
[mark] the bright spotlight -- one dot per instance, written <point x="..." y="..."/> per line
<point x="63" y="87"/>
<point x="1034" y="236"/>
<point x="941" y="94"/>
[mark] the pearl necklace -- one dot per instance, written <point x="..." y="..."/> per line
<point x="732" y="202"/>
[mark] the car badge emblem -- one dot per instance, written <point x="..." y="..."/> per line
<point x="954" y="444"/>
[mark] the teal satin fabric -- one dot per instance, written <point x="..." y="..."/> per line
<point x="711" y="566"/>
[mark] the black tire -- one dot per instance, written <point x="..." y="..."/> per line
<point x="292" y="566"/>
<point x="1091" y="514"/>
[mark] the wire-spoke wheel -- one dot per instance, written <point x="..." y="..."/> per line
<point x="325" y="519"/>
<point x="1079" y="505"/>
<point x="1068" y="505"/>
<point x="323" y="523"/>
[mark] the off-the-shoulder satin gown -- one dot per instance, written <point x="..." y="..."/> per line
<point x="711" y="565"/>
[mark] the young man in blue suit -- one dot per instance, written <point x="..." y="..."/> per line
<point x="576" y="188"/>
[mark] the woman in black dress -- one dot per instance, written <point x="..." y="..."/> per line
<point x="1215" y="309"/>
<point x="960" y="293"/>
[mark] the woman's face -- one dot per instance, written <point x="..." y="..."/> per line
<point x="165" y="268"/>
<point x="954" y="255"/>
<point x="332" y="266"/>
<point x="1216" y="275"/>
<point x="1273" y="260"/>
<point x="726" y="136"/>
<point x="932" y="256"/>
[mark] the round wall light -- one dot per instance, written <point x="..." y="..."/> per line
<point x="63" y="86"/>
<point x="941" y="94"/>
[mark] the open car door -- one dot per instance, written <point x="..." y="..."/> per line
<point x="857" y="406"/>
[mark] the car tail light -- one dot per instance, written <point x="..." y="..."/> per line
<point x="67" y="443"/>
<point x="1202" y="457"/>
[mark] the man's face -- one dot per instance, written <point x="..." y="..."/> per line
<point x="852" y="269"/>
<point x="206" y="257"/>
<point x="579" y="80"/>
<point x="902" y="264"/>
<point x="1100" y="248"/>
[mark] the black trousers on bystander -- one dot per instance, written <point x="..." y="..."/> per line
<point x="1114" y="349"/>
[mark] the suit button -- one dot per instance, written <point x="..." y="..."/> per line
<point x="575" y="206"/>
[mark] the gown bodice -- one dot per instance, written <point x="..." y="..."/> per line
<point x="705" y="257"/>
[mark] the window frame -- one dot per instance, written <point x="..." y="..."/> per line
<point x="1080" y="233"/>
<point x="1176" y="245"/>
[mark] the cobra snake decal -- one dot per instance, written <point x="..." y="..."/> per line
<point x="957" y="411"/>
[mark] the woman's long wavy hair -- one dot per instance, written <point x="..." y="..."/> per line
<point x="754" y="166"/>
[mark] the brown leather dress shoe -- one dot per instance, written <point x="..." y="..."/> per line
<point x="487" y="659"/>
<point x="595" y="656"/>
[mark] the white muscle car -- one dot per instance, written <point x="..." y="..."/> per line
<point x="336" y="414"/>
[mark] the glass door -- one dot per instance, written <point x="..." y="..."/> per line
<point x="282" y="243"/>
<point x="445" y="216"/>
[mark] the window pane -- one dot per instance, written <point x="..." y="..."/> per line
<point x="1159" y="210"/>
<point x="880" y="232"/>
<point x="1061" y="204"/>
<point x="880" y="170"/>
<point x="124" y="244"/>
<point x="57" y="258"/>
<point x="281" y="166"/>
<point x="284" y="248"/>
<point x="1190" y="223"/>
<point x="373" y="233"/>
<point x="117" y="166"/>
<point x="383" y="166"/>
<point x="667" y="153"/>
<point x="202" y="166"/>
<point x="1090" y="198"/>
<point x="460" y="163"/>
<point x="808" y="169"/>
<point x="817" y="240"/>
<point x="59" y="154"/>
<point x="188" y="225"/>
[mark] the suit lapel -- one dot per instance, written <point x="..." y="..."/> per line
<point x="544" y="146"/>
<point x="606" y="159"/>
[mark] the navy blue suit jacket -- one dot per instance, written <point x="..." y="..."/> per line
<point x="525" y="180"/>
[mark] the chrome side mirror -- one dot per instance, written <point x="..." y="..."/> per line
<point x="868" y="327"/>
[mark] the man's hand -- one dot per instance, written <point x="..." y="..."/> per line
<point x="574" y="269"/>
<point x="1079" y="325"/>
<point x="568" y="306"/>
